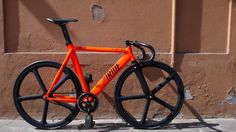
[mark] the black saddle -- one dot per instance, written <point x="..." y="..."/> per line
<point x="61" y="21"/>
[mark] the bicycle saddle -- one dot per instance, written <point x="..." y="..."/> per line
<point x="61" y="21"/>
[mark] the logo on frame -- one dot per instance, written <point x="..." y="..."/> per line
<point x="112" y="72"/>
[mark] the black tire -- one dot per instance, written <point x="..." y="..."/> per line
<point x="151" y="104"/>
<point x="30" y="86"/>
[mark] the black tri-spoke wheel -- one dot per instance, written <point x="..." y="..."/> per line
<point x="149" y="94"/>
<point x="30" y="86"/>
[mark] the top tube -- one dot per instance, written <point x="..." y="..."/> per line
<point x="102" y="49"/>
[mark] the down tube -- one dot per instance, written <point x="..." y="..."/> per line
<point x="115" y="69"/>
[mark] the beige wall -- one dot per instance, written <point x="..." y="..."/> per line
<point x="197" y="37"/>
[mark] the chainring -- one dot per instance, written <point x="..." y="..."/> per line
<point x="87" y="102"/>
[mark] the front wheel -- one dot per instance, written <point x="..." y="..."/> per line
<point x="30" y="86"/>
<point x="149" y="94"/>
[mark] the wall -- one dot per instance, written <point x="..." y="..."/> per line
<point x="195" y="37"/>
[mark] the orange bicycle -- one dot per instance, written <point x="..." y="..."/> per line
<point x="148" y="94"/>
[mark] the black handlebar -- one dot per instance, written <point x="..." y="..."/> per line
<point x="140" y="46"/>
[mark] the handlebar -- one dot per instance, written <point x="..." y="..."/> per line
<point x="140" y="46"/>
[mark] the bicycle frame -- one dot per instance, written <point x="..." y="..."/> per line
<point x="101" y="84"/>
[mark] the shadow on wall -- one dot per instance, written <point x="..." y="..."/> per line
<point x="40" y="9"/>
<point x="188" y="28"/>
<point x="11" y="23"/>
<point x="188" y="40"/>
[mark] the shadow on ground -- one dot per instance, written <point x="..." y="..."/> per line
<point x="125" y="126"/>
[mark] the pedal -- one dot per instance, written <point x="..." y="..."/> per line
<point x="89" y="123"/>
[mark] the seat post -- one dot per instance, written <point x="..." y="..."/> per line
<point x="66" y="34"/>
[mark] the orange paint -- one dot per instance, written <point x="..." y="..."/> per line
<point x="67" y="100"/>
<point x="107" y="77"/>
<point x="59" y="73"/>
<point x="114" y="70"/>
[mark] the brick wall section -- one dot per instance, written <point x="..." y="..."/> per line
<point x="202" y="50"/>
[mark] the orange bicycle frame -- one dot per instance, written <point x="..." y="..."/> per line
<point x="101" y="84"/>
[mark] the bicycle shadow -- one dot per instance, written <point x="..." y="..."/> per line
<point x="192" y="125"/>
<point x="100" y="127"/>
<point x="125" y="126"/>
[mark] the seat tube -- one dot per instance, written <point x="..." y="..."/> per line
<point x="78" y="71"/>
<point x="66" y="34"/>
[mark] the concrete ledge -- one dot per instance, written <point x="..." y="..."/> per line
<point x="221" y="124"/>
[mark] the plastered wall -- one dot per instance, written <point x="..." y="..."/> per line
<point x="196" y="37"/>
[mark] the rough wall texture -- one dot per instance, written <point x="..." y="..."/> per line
<point x="198" y="38"/>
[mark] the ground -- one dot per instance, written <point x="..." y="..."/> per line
<point x="186" y="125"/>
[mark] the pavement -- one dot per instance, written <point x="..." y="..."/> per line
<point x="177" y="125"/>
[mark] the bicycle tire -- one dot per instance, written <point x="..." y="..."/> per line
<point x="148" y="96"/>
<point x="19" y="99"/>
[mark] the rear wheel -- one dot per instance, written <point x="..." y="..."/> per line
<point x="30" y="86"/>
<point x="149" y="94"/>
